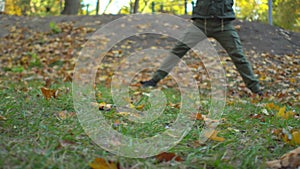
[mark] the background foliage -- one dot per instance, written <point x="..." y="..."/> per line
<point x="286" y="13"/>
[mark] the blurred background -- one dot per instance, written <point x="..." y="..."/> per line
<point x="282" y="13"/>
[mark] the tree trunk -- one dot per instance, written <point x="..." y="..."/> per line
<point x="97" y="7"/>
<point x="136" y="6"/>
<point x="71" y="7"/>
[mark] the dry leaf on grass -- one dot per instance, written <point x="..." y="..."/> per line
<point x="284" y="114"/>
<point x="289" y="160"/>
<point x="291" y="137"/>
<point x="2" y="118"/>
<point x="213" y="136"/>
<point x="199" y="116"/>
<point x="168" y="157"/>
<point x="65" y="114"/>
<point x="100" y="163"/>
<point x="271" y="106"/>
<point x="48" y="93"/>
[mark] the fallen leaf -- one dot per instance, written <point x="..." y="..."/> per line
<point x="140" y="107"/>
<point x="288" y="160"/>
<point x="175" y="105"/>
<point x="102" y="106"/>
<point x="211" y="122"/>
<point x="296" y="137"/>
<point x="271" y="106"/>
<point x="132" y="106"/>
<point x="286" y="115"/>
<point x="199" y="116"/>
<point x="257" y="116"/>
<point x="65" y="114"/>
<point x="48" y="93"/>
<point x="3" y="118"/>
<point x="291" y="137"/>
<point x="213" y="136"/>
<point x="100" y="163"/>
<point x="265" y="112"/>
<point x="167" y="157"/>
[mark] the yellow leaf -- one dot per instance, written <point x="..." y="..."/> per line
<point x="140" y="107"/>
<point x="131" y="106"/>
<point x="286" y="139"/>
<point x="286" y="115"/>
<point x="296" y="137"/>
<point x="293" y="80"/>
<point x="272" y="106"/>
<point x="281" y="112"/>
<point x="102" y="106"/>
<point x="213" y="136"/>
<point x="100" y="163"/>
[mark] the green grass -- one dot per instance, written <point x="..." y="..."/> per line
<point x="33" y="136"/>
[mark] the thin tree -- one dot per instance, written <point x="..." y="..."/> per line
<point x="71" y="7"/>
<point x="97" y="7"/>
<point x="109" y="3"/>
<point x="136" y="6"/>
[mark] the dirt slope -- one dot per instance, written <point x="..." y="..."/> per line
<point x="258" y="37"/>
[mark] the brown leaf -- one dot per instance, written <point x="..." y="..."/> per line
<point x="100" y="163"/>
<point x="257" y="116"/>
<point x="288" y="160"/>
<point x="199" y="116"/>
<point x="48" y="82"/>
<point x="2" y="118"/>
<point x="175" y="105"/>
<point x="167" y="157"/>
<point x="48" y="93"/>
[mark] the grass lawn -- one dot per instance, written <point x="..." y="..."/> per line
<point x="41" y="133"/>
<point x="46" y="133"/>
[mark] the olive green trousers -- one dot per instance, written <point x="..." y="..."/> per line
<point x="224" y="32"/>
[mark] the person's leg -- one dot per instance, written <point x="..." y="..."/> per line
<point x="191" y="37"/>
<point x="230" y="41"/>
